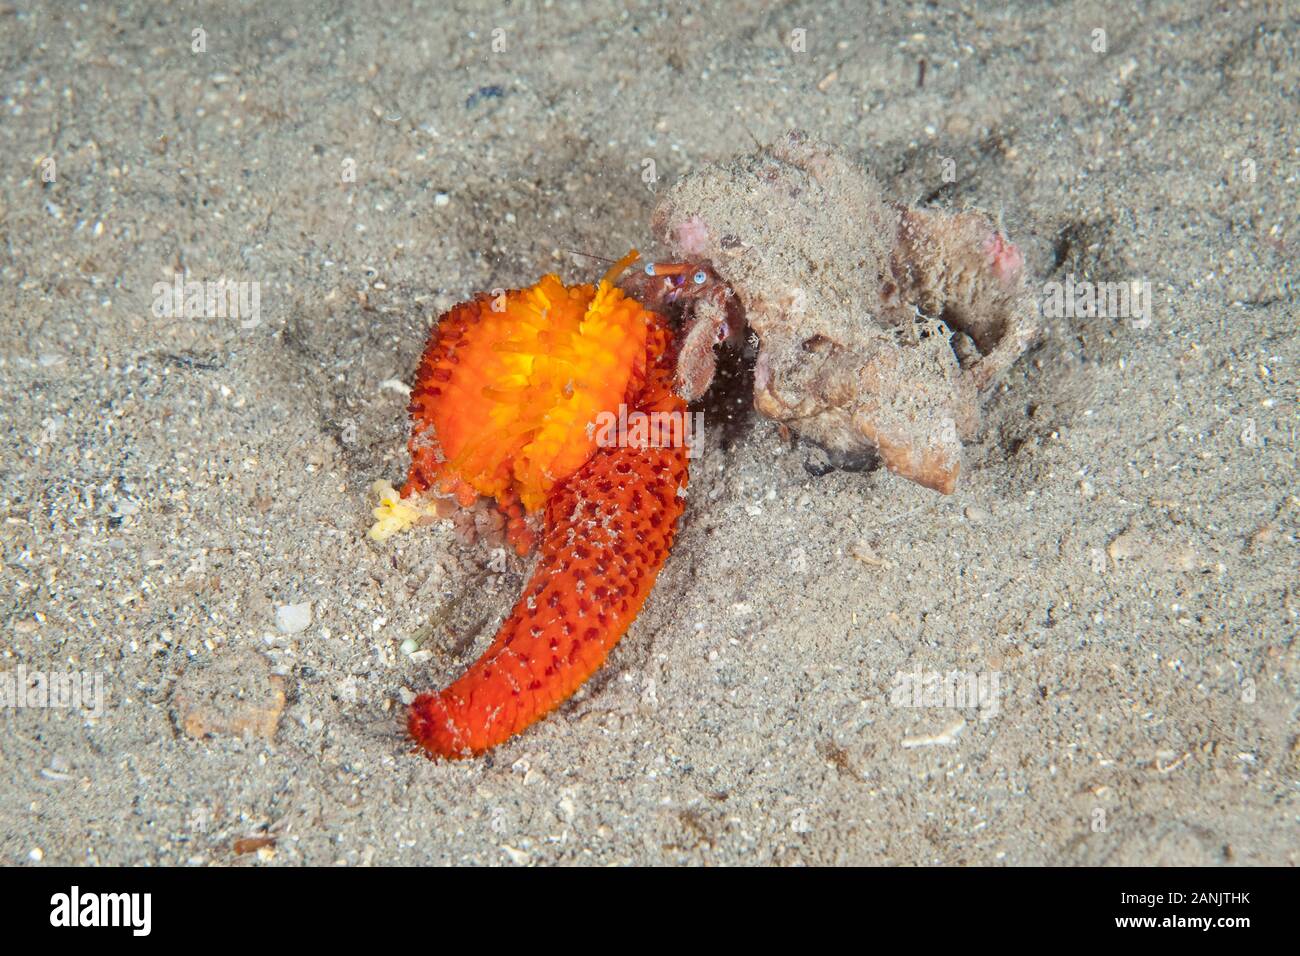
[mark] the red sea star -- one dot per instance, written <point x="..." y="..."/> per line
<point x="505" y="406"/>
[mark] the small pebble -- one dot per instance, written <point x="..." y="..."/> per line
<point x="1123" y="548"/>
<point x="517" y="857"/>
<point x="292" y="618"/>
<point x="861" y="551"/>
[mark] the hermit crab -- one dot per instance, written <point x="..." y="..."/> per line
<point x="877" y="326"/>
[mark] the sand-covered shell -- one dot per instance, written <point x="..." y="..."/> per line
<point x="878" y="325"/>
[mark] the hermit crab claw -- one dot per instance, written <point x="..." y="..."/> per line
<point x="703" y="308"/>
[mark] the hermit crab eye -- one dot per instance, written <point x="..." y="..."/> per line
<point x="649" y="268"/>
<point x="699" y="277"/>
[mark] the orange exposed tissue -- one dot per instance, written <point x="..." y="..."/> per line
<point x="508" y="386"/>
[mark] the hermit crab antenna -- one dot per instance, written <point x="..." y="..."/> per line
<point x="588" y="255"/>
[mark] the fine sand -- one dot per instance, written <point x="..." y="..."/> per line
<point x="1117" y="568"/>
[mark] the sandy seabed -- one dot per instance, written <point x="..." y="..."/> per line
<point x="1117" y="568"/>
